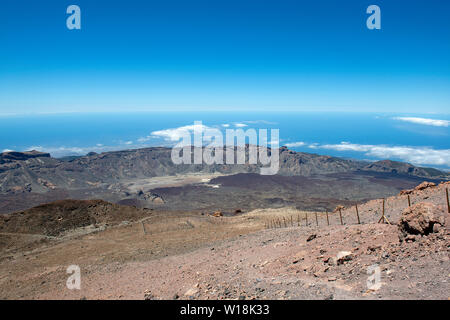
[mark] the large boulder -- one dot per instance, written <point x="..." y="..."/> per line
<point x="425" y="185"/>
<point x="420" y="219"/>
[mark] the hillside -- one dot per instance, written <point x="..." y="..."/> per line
<point x="148" y="178"/>
<point x="243" y="256"/>
<point x="39" y="172"/>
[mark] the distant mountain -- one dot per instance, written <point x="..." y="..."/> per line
<point x="38" y="172"/>
<point x="404" y="168"/>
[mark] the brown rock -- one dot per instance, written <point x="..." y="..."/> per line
<point x="425" y="185"/>
<point x="340" y="207"/>
<point x="404" y="192"/>
<point x="217" y="214"/>
<point x="343" y="256"/>
<point x="420" y="219"/>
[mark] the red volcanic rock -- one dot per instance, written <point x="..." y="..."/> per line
<point x="425" y="185"/>
<point x="420" y="219"/>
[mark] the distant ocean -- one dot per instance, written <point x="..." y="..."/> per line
<point x="419" y="139"/>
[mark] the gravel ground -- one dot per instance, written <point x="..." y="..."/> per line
<point x="298" y="262"/>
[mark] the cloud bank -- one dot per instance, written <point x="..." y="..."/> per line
<point x="295" y="144"/>
<point x="425" y="121"/>
<point x="414" y="155"/>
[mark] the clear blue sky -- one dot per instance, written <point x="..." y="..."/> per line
<point x="224" y="55"/>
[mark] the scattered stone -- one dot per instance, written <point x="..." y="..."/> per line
<point x="311" y="237"/>
<point x="217" y="214"/>
<point x="192" y="291"/>
<point x="343" y="256"/>
<point x="148" y="295"/>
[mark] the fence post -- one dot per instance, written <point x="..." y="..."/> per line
<point x="328" y="221"/>
<point x="448" y="202"/>
<point x="340" y="216"/>
<point x="357" y="213"/>
<point x="306" y="219"/>
<point x="383" y="217"/>
<point x="317" y="221"/>
<point x="298" y="220"/>
<point x="409" y="201"/>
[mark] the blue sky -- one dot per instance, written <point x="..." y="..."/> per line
<point x="224" y="55"/>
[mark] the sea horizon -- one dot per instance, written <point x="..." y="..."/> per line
<point x="420" y="139"/>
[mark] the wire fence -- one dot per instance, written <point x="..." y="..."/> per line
<point x="344" y="216"/>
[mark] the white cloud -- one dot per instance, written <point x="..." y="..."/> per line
<point x="425" y="121"/>
<point x="240" y="125"/>
<point x="63" y="151"/>
<point x="175" y="134"/>
<point x="415" y="155"/>
<point x="129" y="142"/>
<point x="295" y="144"/>
<point x="225" y="125"/>
<point x="144" y="139"/>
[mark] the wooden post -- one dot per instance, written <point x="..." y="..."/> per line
<point x="298" y="220"/>
<point x="306" y="219"/>
<point x="448" y="202"/>
<point x="317" y="221"/>
<point x="284" y="220"/>
<point x="143" y="227"/>
<point x="357" y="213"/>
<point x="292" y="223"/>
<point x="383" y="217"/>
<point x="340" y="216"/>
<point x="328" y="221"/>
<point x="409" y="201"/>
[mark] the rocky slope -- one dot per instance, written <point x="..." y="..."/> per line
<point x="25" y="171"/>
<point x="308" y="181"/>
<point x="237" y="258"/>
<point x="55" y="218"/>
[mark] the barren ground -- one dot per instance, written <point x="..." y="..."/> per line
<point x="174" y="255"/>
